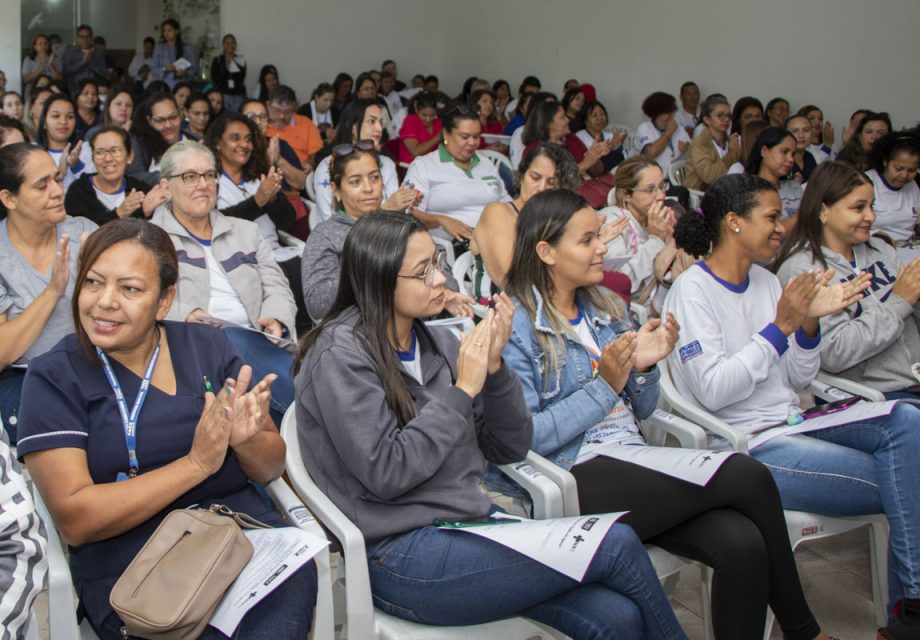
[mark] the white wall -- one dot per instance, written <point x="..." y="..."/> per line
<point x="842" y="54"/>
<point x="10" y="56"/>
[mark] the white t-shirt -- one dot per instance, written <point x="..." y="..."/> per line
<point x="411" y="360"/>
<point x="649" y="133"/>
<point x="223" y="303"/>
<point x="109" y="200"/>
<point x="70" y="176"/>
<point x="323" y="187"/>
<point x="230" y="194"/>
<point x="320" y="118"/>
<point x="587" y="139"/>
<point x="394" y="104"/>
<point x="687" y="120"/>
<point x="897" y="209"/>
<point x="448" y="189"/>
<point x="516" y="147"/>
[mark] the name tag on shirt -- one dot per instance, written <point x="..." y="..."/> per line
<point x="690" y="351"/>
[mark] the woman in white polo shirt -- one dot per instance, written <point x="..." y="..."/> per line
<point x="455" y="183"/>
<point x="660" y="137"/>
<point x="895" y="159"/>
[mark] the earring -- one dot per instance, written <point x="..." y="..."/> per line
<point x="737" y="230"/>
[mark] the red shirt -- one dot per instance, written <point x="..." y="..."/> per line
<point x="413" y="127"/>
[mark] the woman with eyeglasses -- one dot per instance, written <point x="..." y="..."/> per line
<point x="361" y="124"/>
<point x="390" y="408"/>
<point x="454" y="182"/>
<point x="588" y="377"/>
<point x="714" y="150"/>
<point x="228" y="276"/>
<point x="107" y="193"/>
<point x="57" y="135"/>
<point x="867" y="132"/>
<point x="38" y="253"/>
<point x="156" y="125"/>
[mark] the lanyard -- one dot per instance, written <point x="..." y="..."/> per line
<point x="129" y="421"/>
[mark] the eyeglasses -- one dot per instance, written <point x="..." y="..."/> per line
<point x="192" y="178"/>
<point x="439" y="264"/>
<point x="115" y="152"/>
<point x="172" y="117"/>
<point x="256" y="116"/>
<point x="663" y="188"/>
<point x="342" y="150"/>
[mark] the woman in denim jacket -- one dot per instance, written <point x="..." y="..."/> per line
<point x="587" y="376"/>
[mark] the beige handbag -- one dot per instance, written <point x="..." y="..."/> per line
<point x="174" y="584"/>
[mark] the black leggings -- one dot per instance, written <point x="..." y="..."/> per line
<point x="735" y="525"/>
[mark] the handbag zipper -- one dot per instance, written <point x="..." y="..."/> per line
<point x="184" y="535"/>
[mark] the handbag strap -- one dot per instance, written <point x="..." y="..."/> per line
<point x="244" y="520"/>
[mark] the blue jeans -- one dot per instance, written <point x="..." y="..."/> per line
<point x="10" y="391"/>
<point x="854" y="469"/>
<point x="440" y="577"/>
<point x="285" y="614"/>
<point x="265" y="357"/>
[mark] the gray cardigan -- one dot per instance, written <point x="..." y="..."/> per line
<point x="389" y="479"/>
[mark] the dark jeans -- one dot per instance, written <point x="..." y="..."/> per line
<point x="735" y="525"/>
<point x="285" y="614"/>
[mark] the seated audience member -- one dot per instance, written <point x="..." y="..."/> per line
<point x="642" y="228"/>
<point x="23" y="540"/>
<point x="319" y="109"/>
<point x="777" y="112"/>
<point x="365" y="87"/>
<point x="40" y="60"/>
<point x="33" y="110"/>
<point x="361" y="122"/>
<point x="12" y="105"/>
<point x="588" y="376"/>
<point x="108" y="194"/>
<point x="660" y="137"/>
<point x="38" y="250"/>
<point x="216" y="100"/>
<point x="389" y="94"/>
<point x="181" y="93"/>
<point x="502" y="92"/>
<point x="745" y="110"/>
<point x="855" y="118"/>
<point x="688" y="116"/>
<point x="421" y="130"/>
<point x="805" y="163"/>
<point x="87" y="102"/>
<point x="870" y="128"/>
<point x="227" y="274"/>
<point x="714" y="150"/>
<point x="432" y="88"/>
<point x="772" y="158"/>
<point x="573" y="101"/>
<point x="749" y="136"/>
<point x="173" y="60"/>
<point x="194" y="448"/>
<point x="545" y="166"/>
<point x="297" y="131"/>
<point x="876" y="340"/>
<point x="747" y="367"/>
<point x="280" y="153"/>
<point x="822" y="134"/>
<point x="155" y="127"/>
<point x="595" y="131"/>
<point x="530" y="84"/>
<point x="198" y="115"/>
<point x="483" y="102"/>
<point x="518" y="117"/>
<point x="342" y="86"/>
<point x="268" y="80"/>
<point x="249" y="187"/>
<point x="421" y="443"/>
<point x="894" y="159"/>
<point x="228" y="73"/>
<point x="454" y="183"/>
<point x="11" y="131"/>
<point x="57" y="135"/>
<point x="116" y="112"/>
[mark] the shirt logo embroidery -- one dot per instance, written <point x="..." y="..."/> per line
<point x="690" y="351"/>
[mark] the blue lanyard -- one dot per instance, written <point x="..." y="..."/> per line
<point x="129" y="421"/>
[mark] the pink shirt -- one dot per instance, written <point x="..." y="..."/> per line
<point x="414" y="128"/>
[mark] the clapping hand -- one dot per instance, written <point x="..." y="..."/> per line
<point x="655" y="340"/>
<point x="831" y="298"/>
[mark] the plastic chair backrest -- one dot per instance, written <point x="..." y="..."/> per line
<point x="311" y="188"/>
<point x="676" y="172"/>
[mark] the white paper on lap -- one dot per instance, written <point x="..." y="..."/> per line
<point x="692" y="465"/>
<point x="565" y="544"/>
<point x="860" y="411"/>
<point x="277" y="553"/>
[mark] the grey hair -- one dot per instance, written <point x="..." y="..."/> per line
<point x="709" y="105"/>
<point x="169" y="163"/>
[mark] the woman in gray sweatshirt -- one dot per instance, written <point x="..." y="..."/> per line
<point x="396" y="423"/>
<point x="876" y="340"/>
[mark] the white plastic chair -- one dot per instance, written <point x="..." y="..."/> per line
<point x="62" y="598"/>
<point x="311" y="188"/>
<point x="362" y="620"/>
<point x="801" y="525"/>
<point x="497" y="158"/>
<point x="676" y="172"/>
<point x="628" y="140"/>
<point x="448" y="247"/>
<point x="463" y="272"/>
<point x="315" y="216"/>
<point x="830" y="387"/>
<point x="288" y="240"/>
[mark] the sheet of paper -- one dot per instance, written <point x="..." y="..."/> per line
<point x="182" y="64"/>
<point x="277" y="553"/>
<point x="859" y="411"/>
<point x="564" y="544"/>
<point x="220" y="323"/>
<point x="493" y="138"/>
<point x="613" y="264"/>
<point x="693" y="465"/>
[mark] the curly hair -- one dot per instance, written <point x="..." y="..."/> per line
<point x="567" y="174"/>
<point x="257" y="165"/>
<point x="659" y="103"/>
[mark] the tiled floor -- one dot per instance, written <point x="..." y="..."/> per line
<point x="835" y="574"/>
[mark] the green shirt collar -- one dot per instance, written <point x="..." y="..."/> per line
<point x="446" y="157"/>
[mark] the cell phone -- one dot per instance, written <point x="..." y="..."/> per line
<point x="475" y="522"/>
<point x="830" y="407"/>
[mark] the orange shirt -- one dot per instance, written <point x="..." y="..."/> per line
<point x="303" y="136"/>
